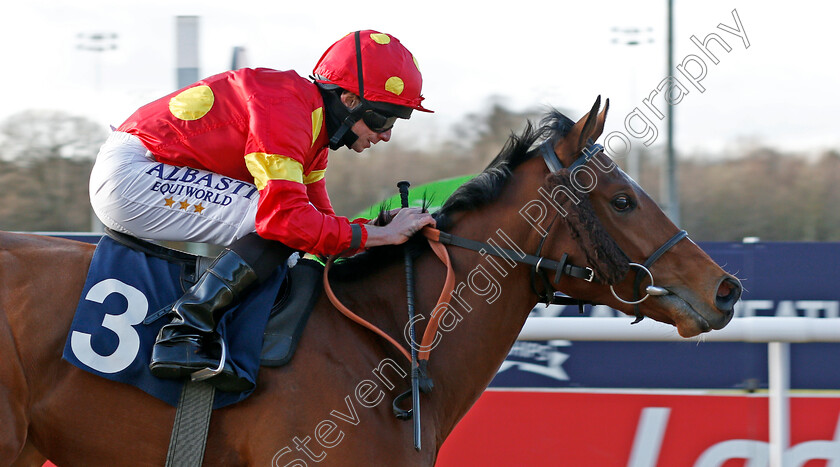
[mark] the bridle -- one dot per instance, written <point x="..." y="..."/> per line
<point x="554" y="164"/>
<point x="437" y="240"/>
<point x="652" y="289"/>
<point x="540" y="264"/>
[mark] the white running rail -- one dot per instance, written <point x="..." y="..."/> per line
<point x="777" y="332"/>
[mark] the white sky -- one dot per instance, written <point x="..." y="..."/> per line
<point x="783" y="90"/>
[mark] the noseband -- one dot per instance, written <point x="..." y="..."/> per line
<point x="652" y="289"/>
<point x="554" y="164"/>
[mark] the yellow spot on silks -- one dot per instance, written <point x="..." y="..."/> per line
<point x="381" y="38"/>
<point x="314" y="176"/>
<point x="265" y="167"/>
<point x="192" y="103"/>
<point x="415" y="62"/>
<point x="395" y="85"/>
<point x="317" y="122"/>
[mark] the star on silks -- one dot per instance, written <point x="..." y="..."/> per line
<point x="199" y="208"/>
<point x="184" y="205"/>
<point x="168" y="202"/>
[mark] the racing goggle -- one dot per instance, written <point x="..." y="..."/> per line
<point x="378" y="122"/>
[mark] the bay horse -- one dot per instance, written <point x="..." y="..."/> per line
<point x="330" y="404"/>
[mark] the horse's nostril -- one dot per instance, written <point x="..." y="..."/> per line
<point x="728" y="293"/>
<point x="724" y="289"/>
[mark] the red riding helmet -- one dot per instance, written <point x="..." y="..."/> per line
<point x="389" y="71"/>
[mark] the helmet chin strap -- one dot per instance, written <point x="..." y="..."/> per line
<point x="344" y="134"/>
<point x="339" y="119"/>
<point x="339" y="116"/>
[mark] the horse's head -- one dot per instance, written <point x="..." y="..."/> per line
<point x="628" y="241"/>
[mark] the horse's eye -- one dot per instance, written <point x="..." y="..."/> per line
<point x="622" y="203"/>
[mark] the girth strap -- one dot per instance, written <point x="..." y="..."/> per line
<point x="188" y="440"/>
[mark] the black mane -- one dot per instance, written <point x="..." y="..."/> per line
<point x="479" y="191"/>
<point x="487" y="185"/>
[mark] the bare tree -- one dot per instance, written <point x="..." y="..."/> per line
<point x="356" y="181"/>
<point x="46" y="158"/>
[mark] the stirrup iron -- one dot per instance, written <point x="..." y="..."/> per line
<point x="207" y="373"/>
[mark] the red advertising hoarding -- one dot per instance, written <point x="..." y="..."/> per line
<point x="664" y="429"/>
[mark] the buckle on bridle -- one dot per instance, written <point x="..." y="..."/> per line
<point x="590" y="274"/>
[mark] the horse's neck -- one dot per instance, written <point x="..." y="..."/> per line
<point x="480" y="321"/>
<point x="492" y="299"/>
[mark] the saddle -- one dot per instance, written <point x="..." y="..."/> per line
<point x="292" y="306"/>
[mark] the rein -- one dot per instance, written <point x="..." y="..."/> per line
<point x="428" y="336"/>
<point x="437" y="240"/>
<point x="540" y="264"/>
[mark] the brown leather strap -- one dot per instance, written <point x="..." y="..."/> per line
<point x="356" y="318"/>
<point x="433" y="236"/>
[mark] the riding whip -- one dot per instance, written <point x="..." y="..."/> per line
<point x="415" y="369"/>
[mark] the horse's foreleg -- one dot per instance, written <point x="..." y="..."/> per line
<point x="12" y="399"/>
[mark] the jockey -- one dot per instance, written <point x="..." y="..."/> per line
<point x="239" y="159"/>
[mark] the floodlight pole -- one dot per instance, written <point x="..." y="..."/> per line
<point x="97" y="42"/>
<point x="670" y="193"/>
<point x="633" y="37"/>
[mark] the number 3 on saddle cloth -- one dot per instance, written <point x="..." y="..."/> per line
<point x="126" y="284"/>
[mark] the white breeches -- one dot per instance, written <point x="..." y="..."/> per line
<point x="132" y="193"/>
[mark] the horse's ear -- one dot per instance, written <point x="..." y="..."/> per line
<point x="599" y="124"/>
<point x="569" y="147"/>
<point x="589" y="125"/>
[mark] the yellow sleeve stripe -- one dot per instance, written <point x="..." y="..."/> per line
<point x="317" y="122"/>
<point x="265" y="167"/>
<point x="314" y="176"/>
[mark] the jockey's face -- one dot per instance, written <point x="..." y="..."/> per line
<point x="367" y="137"/>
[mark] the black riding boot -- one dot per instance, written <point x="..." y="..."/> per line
<point x="189" y="342"/>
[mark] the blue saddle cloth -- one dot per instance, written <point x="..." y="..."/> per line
<point x="123" y="286"/>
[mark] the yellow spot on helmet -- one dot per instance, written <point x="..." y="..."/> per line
<point x="415" y="62"/>
<point x="381" y="38"/>
<point x="193" y="103"/>
<point x="395" y="85"/>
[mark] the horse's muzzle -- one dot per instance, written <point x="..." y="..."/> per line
<point x="728" y="293"/>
